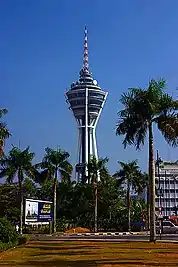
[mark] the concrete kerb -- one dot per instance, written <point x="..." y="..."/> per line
<point x="96" y="234"/>
<point x="100" y="234"/>
<point x="106" y="234"/>
<point x="85" y="239"/>
<point x="111" y="233"/>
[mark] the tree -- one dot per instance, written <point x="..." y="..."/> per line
<point x="142" y="109"/>
<point x="18" y="163"/>
<point x="10" y="198"/>
<point x="145" y="186"/>
<point x="95" y="168"/>
<point x="111" y="204"/>
<point x="4" y="133"/>
<point x="29" y="188"/>
<point x="139" y="209"/>
<point x="10" y="202"/>
<point x="55" y="162"/>
<point x="131" y="175"/>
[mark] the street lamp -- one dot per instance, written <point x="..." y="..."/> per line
<point x="166" y="194"/>
<point x="159" y="191"/>
<point x="175" y="210"/>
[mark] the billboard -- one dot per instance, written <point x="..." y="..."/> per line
<point x="38" y="211"/>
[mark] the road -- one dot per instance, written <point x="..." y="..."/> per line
<point x="104" y="238"/>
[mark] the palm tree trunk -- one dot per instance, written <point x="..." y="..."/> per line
<point x="54" y="200"/>
<point x="96" y="206"/>
<point x="148" y="209"/>
<point x="128" y="205"/>
<point x="21" y="200"/>
<point x="152" y="186"/>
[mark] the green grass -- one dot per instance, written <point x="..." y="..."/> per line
<point x="88" y="254"/>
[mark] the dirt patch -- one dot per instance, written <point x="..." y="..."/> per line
<point x="78" y="230"/>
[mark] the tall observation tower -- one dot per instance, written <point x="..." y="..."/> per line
<point x="86" y="100"/>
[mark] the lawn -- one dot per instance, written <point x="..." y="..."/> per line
<point x="88" y="254"/>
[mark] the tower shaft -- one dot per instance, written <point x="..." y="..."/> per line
<point x="86" y="100"/>
<point x="87" y="143"/>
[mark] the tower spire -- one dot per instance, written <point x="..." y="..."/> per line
<point x="85" y="54"/>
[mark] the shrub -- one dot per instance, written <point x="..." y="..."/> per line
<point x="23" y="239"/>
<point x="40" y="229"/>
<point x="44" y="229"/>
<point x="7" y="232"/>
<point x="61" y="225"/>
<point x="5" y="246"/>
<point x="8" y="235"/>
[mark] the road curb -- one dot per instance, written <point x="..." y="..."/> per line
<point x="92" y="234"/>
<point x="100" y="234"/>
<point x="93" y="239"/>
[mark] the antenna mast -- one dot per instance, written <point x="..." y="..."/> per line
<point x="85" y="55"/>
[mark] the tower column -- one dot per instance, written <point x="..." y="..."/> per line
<point x="86" y="132"/>
<point x="91" y="141"/>
<point x="95" y="145"/>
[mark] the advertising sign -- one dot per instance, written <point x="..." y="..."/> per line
<point x="44" y="212"/>
<point x="38" y="211"/>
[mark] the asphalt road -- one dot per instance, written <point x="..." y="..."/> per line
<point x="104" y="238"/>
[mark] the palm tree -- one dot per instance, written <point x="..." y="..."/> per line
<point x="4" y="133"/>
<point x="142" y="109"/>
<point x="95" y="168"/>
<point x="54" y="162"/>
<point x="131" y="175"/>
<point x="18" y="163"/>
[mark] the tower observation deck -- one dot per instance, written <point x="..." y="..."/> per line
<point x="86" y="100"/>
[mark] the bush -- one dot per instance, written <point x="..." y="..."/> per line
<point x="5" y="246"/>
<point x="61" y="225"/>
<point x="7" y="232"/>
<point x="8" y="235"/>
<point x="37" y="229"/>
<point x="23" y="239"/>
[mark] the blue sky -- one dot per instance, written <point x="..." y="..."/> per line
<point x="41" y="54"/>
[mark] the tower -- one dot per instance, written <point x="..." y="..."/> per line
<point x="86" y="100"/>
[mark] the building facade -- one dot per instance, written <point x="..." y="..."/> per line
<point x="166" y="180"/>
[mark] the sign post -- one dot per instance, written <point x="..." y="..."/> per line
<point x="38" y="211"/>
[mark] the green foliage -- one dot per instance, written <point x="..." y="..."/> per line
<point x="139" y="209"/>
<point x="75" y="204"/>
<point x="29" y="188"/>
<point x="8" y="235"/>
<point x="10" y="199"/>
<point x="4" y="132"/>
<point x="61" y="225"/>
<point x="54" y="162"/>
<point x="145" y="106"/>
<point x="142" y="109"/>
<point x="40" y="229"/>
<point x="111" y="204"/>
<point x="5" y="246"/>
<point x="45" y="191"/>
<point x="131" y="173"/>
<point x="96" y="166"/>
<point x="17" y="162"/>
<point x="23" y="239"/>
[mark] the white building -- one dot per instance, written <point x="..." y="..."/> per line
<point x="167" y="193"/>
